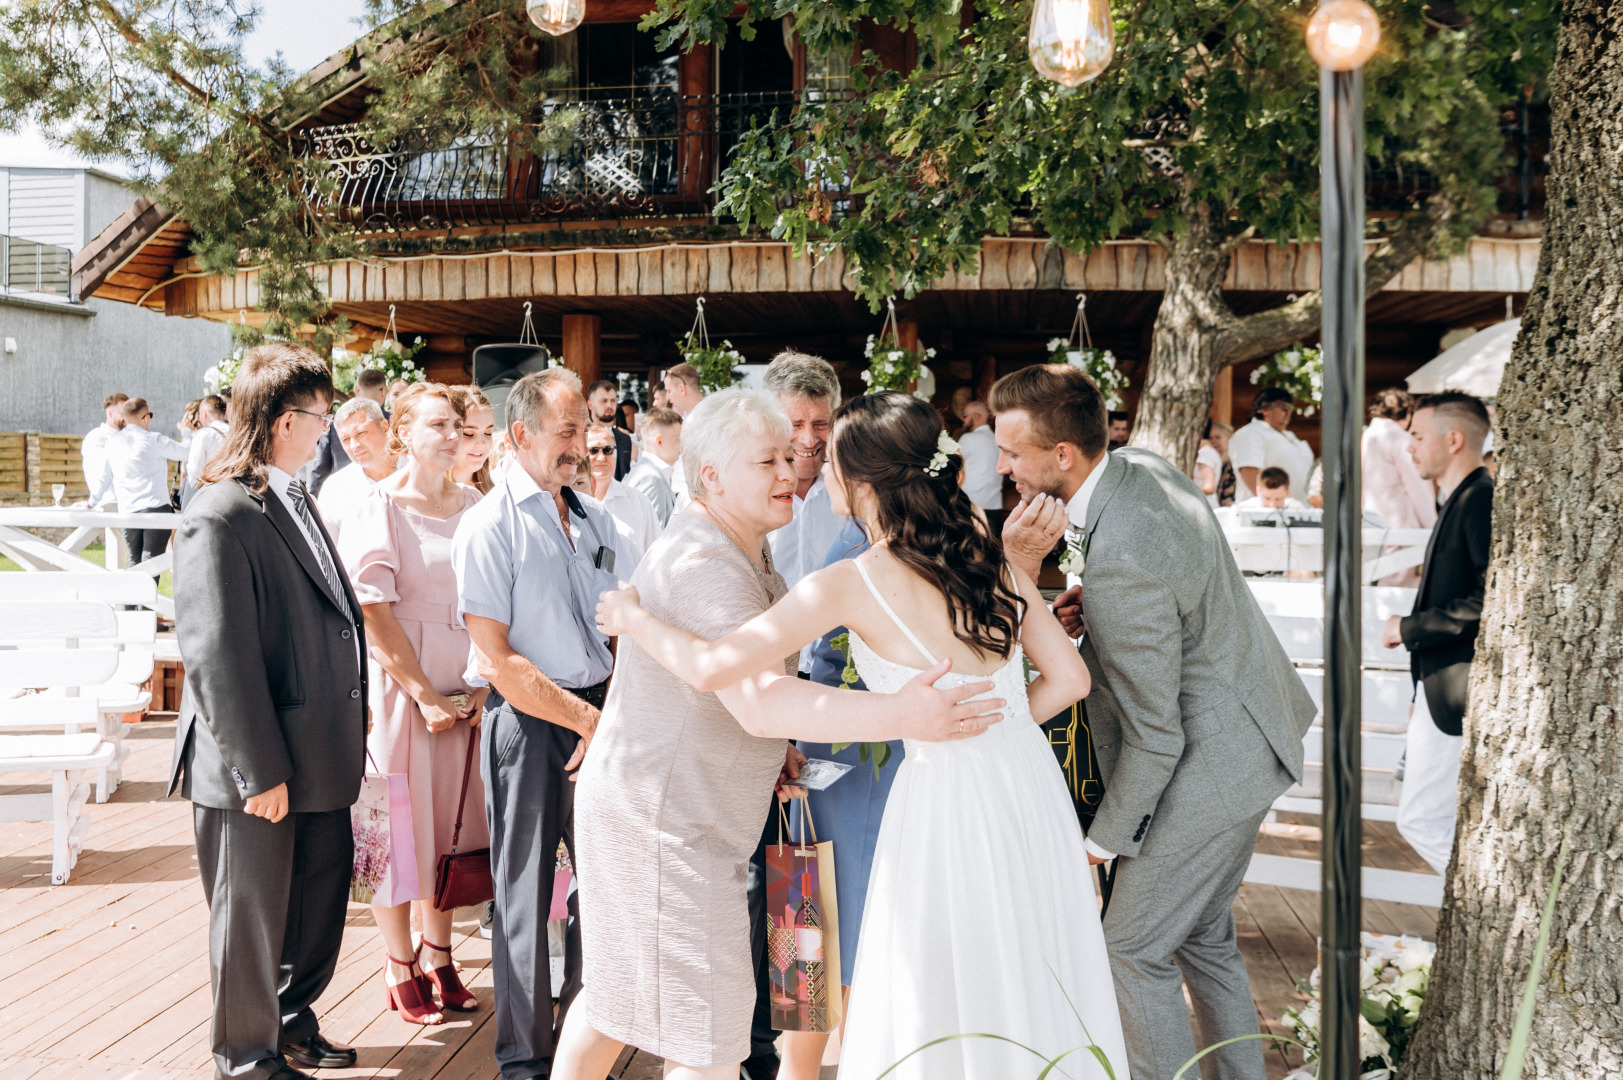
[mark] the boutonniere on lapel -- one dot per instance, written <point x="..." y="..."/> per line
<point x="1075" y="560"/>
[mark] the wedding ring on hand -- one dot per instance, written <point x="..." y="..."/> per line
<point x="960" y="727"/>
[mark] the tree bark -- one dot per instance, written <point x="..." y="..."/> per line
<point x="1542" y="765"/>
<point x="1196" y="334"/>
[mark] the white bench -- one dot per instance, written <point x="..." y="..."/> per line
<point x="89" y="693"/>
<point x="1295" y="611"/>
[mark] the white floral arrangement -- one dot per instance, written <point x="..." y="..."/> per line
<point x="1394" y="974"/>
<point x="945" y="447"/>
<point x="1074" y="562"/>
<point x="891" y="367"/>
<point x="220" y="376"/>
<point x="1299" y="371"/>
<point x="394" y="360"/>
<point x="1099" y="365"/>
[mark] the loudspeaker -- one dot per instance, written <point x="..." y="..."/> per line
<point x="495" y="368"/>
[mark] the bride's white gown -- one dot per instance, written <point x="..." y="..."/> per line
<point x="981" y="914"/>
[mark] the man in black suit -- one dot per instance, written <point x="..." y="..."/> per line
<point x="272" y="735"/>
<point x="1446" y="443"/>
<point x="604" y="402"/>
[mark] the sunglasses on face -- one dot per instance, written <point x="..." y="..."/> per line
<point x="600" y="451"/>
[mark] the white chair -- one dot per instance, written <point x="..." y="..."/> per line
<point x="75" y="625"/>
<point x="63" y="647"/>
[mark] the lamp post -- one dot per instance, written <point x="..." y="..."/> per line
<point x="1341" y="37"/>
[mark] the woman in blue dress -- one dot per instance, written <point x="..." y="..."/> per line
<point x="848" y="813"/>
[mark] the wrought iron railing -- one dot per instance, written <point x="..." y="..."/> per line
<point x="657" y="154"/>
<point x="28" y="266"/>
<point x="653" y="155"/>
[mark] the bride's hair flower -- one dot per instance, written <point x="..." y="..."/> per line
<point x="945" y="447"/>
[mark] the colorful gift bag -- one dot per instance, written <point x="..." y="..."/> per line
<point x="385" y="854"/>
<point x="803" y="931"/>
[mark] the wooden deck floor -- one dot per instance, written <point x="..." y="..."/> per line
<point x="108" y="975"/>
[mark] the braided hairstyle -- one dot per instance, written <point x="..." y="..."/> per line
<point x="888" y="440"/>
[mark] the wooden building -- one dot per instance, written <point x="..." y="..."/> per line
<point x="611" y="241"/>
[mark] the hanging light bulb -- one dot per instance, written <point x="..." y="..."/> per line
<point x="556" y="17"/>
<point x="1071" y="41"/>
<point x="1342" y="34"/>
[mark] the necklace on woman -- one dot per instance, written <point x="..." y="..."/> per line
<point x="766" y="552"/>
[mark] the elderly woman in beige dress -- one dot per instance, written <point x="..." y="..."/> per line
<point x="675" y="788"/>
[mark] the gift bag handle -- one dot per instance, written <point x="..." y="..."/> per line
<point x="467" y="767"/>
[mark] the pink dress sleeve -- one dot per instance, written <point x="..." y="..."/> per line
<point x="370" y="549"/>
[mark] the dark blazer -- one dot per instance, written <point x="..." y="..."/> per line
<point x="1441" y="632"/>
<point x="273" y="690"/>
<point x="622" y="453"/>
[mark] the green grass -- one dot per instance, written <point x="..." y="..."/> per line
<point x="97" y="555"/>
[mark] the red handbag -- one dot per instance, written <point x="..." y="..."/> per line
<point x="463" y="879"/>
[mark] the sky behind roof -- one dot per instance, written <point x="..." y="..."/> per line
<point x="306" y="32"/>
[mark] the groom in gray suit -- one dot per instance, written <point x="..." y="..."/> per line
<point x="1196" y="714"/>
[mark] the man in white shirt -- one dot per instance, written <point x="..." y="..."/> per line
<point x="655" y="474"/>
<point x="982" y="482"/>
<point x="1273" y="493"/>
<point x="206" y="442"/>
<point x="683" y="389"/>
<point x="364" y="434"/>
<point x="93" y="450"/>
<point x="138" y="459"/>
<point x="1265" y="442"/>
<point x="634" y="517"/>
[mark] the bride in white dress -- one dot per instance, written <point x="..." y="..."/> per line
<point x="981" y="956"/>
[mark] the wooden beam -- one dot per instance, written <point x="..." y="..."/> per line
<point x="583" y="347"/>
<point x="1223" y="396"/>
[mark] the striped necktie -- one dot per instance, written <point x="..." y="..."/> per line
<point x="301" y="502"/>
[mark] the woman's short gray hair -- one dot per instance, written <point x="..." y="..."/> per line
<point x="715" y="430"/>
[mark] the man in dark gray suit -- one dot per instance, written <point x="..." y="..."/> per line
<point x="1196" y="714"/>
<point x="272" y="735"/>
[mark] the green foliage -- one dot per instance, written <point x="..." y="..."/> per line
<point x="891" y="367"/>
<point x="876" y="754"/>
<point x="163" y="86"/>
<point x="1098" y="364"/>
<point x="1208" y="103"/>
<point x="714" y="365"/>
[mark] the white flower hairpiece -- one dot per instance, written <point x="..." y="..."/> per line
<point x="945" y="447"/>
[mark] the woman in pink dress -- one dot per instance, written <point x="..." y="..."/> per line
<point x="397" y="548"/>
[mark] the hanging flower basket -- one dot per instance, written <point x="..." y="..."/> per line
<point x="224" y="372"/>
<point x="392" y="358"/>
<point x="1099" y="365"/>
<point x="1299" y="371"/>
<point x="892" y="367"/>
<point x="714" y="365"/>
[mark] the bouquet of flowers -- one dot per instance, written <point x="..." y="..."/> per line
<point x="1393" y="976"/>
<point x="1300" y="372"/>
<point x="224" y="372"/>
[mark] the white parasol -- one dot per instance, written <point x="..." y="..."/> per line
<point x="1476" y="365"/>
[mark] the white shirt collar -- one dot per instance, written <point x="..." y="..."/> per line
<point x="278" y="480"/>
<point x="1077" y="508"/>
<point x="520" y="484"/>
<point x="812" y="493"/>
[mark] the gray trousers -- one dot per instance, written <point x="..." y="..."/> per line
<point x="530" y="806"/>
<point x="1170" y="922"/>
<point x="277" y="896"/>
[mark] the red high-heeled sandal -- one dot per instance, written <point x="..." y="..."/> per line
<point x="453" y="995"/>
<point x="412" y="999"/>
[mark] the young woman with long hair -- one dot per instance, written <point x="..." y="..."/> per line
<point x="980" y="915"/>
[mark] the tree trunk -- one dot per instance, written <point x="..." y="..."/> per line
<point x="1187" y="343"/>
<point x="1542" y="765"/>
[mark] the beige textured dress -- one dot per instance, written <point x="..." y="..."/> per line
<point x="671" y="803"/>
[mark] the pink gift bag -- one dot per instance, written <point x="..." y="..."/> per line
<point x="385" y="853"/>
<point x="562" y="873"/>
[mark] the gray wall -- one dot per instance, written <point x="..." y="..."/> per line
<point x="67" y="361"/>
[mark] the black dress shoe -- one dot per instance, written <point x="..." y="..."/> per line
<point x="317" y="1053"/>
<point x="288" y="1072"/>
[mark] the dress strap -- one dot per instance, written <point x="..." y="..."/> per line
<point x="900" y="625"/>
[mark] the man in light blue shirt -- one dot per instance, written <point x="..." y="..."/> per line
<point x="531" y="559"/>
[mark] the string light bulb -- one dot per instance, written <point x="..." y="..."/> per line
<point x="1071" y="41"/>
<point x="1343" y="34"/>
<point x="556" y="17"/>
